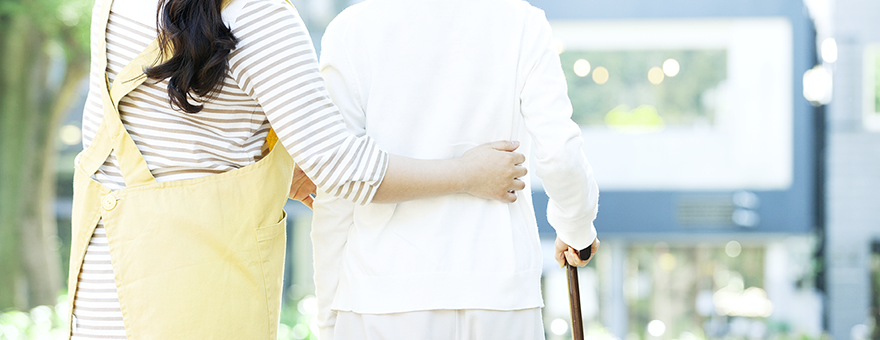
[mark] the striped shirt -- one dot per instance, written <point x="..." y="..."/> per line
<point x="273" y="81"/>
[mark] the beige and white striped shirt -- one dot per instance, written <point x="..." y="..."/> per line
<point x="273" y="81"/>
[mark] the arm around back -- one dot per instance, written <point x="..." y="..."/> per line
<point x="275" y="63"/>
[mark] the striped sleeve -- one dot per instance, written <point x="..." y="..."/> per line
<point x="276" y="65"/>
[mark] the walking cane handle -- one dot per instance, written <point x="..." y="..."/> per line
<point x="585" y="253"/>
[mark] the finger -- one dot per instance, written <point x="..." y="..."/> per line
<point x="305" y="195"/>
<point x="293" y="195"/>
<point x="520" y="171"/>
<point x="309" y="201"/>
<point x="560" y="258"/>
<point x="518" y="158"/>
<point x="297" y="185"/>
<point x="518" y="185"/>
<point x="504" y="145"/>
<point x="577" y="257"/>
<point x="508" y="197"/>
<point x="299" y="196"/>
<point x="574" y="259"/>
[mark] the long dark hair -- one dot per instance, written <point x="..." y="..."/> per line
<point x="201" y="43"/>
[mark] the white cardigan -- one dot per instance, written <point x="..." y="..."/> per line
<point x="431" y="79"/>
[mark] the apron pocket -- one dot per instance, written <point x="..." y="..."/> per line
<point x="271" y="241"/>
<point x="271" y="231"/>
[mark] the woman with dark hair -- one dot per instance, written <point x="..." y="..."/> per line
<point x="177" y="226"/>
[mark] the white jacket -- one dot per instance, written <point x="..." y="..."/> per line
<point x="431" y="79"/>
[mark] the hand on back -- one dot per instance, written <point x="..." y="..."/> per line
<point x="495" y="170"/>
<point x="301" y="187"/>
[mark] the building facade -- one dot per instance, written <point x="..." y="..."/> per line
<point x="853" y="170"/>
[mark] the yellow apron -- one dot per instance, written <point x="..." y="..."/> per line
<point x="192" y="259"/>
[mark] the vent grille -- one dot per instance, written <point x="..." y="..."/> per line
<point x="705" y="211"/>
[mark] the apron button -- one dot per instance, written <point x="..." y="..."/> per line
<point x="108" y="202"/>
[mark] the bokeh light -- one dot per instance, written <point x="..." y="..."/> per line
<point x="687" y="336"/>
<point x="829" y="50"/>
<point x="600" y="75"/>
<point x="560" y="47"/>
<point x="308" y="305"/>
<point x="559" y="326"/>
<point x="733" y="248"/>
<point x="746" y="218"/>
<point x="70" y="135"/>
<point x="818" y="85"/>
<point x="733" y="300"/>
<point x="666" y="262"/>
<point x="300" y="331"/>
<point x="655" y="75"/>
<point x="581" y="67"/>
<point x="671" y="67"/>
<point x="656" y="328"/>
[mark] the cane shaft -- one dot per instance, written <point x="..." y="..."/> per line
<point x="574" y="301"/>
<point x="574" y="294"/>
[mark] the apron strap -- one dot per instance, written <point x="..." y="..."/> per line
<point x="111" y="134"/>
<point x="92" y="158"/>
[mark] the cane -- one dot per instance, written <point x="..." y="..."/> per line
<point x="574" y="295"/>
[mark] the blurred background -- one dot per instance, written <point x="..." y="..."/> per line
<point x="736" y="144"/>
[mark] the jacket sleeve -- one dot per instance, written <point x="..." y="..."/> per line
<point x="274" y="63"/>
<point x="558" y="145"/>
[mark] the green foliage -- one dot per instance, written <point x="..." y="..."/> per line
<point x="40" y="323"/>
<point x="666" y="283"/>
<point x="66" y="21"/>
<point x="642" y="115"/>
<point x="297" y="319"/>
<point x="45" y="54"/>
<point x="50" y="322"/>
<point x="684" y="99"/>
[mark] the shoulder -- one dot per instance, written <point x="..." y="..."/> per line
<point x="352" y="15"/>
<point x="534" y="21"/>
<point x="240" y="10"/>
<point x="348" y="26"/>
<point x="531" y="15"/>
<point x="520" y="10"/>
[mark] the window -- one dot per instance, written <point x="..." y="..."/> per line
<point x="682" y="104"/>
<point x="631" y="90"/>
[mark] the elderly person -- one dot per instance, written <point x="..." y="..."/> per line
<point x="430" y="79"/>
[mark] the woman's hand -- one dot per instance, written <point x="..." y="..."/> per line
<point x="564" y="252"/>
<point x="493" y="170"/>
<point x="301" y="187"/>
<point x="490" y="171"/>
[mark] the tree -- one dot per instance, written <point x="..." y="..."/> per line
<point x="43" y="61"/>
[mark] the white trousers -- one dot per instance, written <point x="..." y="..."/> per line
<point x="461" y="324"/>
